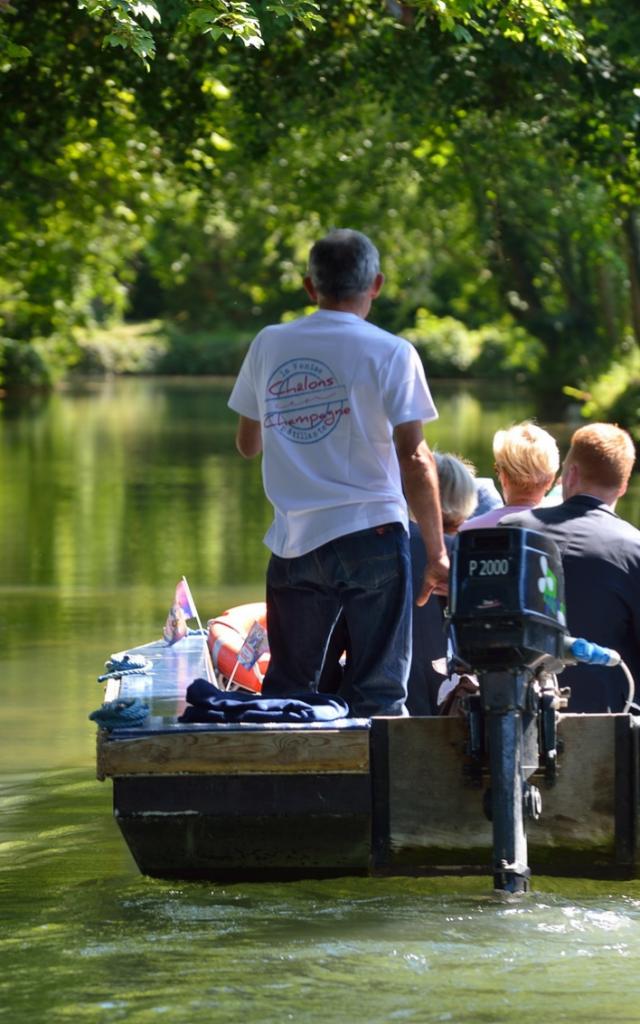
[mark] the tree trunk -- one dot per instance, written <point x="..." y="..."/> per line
<point x="632" y="234"/>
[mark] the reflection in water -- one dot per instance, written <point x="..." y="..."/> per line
<point x="115" y="946"/>
<point x="126" y="483"/>
<point x="109" y="495"/>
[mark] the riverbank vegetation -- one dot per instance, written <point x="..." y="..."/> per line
<point x="172" y="161"/>
<point x="445" y="345"/>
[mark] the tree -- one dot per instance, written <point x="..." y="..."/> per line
<point x="490" y="147"/>
<point x="131" y="24"/>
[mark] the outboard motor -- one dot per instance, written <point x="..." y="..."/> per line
<point x="507" y="607"/>
<point x="508" y="626"/>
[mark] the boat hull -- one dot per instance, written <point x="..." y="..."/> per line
<point x="394" y="796"/>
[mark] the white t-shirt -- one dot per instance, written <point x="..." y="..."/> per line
<point x="328" y="390"/>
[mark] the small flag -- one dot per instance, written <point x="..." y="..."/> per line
<point x="175" y="628"/>
<point x="254" y="645"/>
<point x="184" y="599"/>
<point x="183" y="608"/>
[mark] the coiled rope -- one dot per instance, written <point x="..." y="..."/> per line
<point x="123" y="714"/>
<point x="129" y="665"/>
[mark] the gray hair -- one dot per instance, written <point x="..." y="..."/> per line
<point x="343" y="264"/>
<point x="458" y="494"/>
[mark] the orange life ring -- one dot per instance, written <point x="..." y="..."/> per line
<point x="227" y="633"/>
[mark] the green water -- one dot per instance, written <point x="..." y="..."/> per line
<point x="109" y="494"/>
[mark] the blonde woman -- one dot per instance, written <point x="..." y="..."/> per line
<point x="527" y="461"/>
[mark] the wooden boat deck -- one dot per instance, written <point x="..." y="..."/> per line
<point x="163" y="688"/>
<point x="163" y="744"/>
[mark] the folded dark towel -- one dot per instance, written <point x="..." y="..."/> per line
<point x="210" y="704"/>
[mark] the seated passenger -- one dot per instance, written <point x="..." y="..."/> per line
<point x="458" y="491"/>
<point x="488" y="496"/>
<point x="527" y="462"/>
<point x="458" y="498"/>
<point x="601" y="561"/>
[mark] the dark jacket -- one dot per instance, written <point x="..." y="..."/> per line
<point x="601" y="561"/>
<point x="429" y="641"/>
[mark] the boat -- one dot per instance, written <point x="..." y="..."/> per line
<point x="246" y="801"/>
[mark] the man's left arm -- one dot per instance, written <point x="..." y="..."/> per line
<point x="420" y="481"/>
<point x="248" y="437"/>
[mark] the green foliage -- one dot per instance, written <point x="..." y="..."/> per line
<point x="236" y="20"/>
<point x="498" y="177"/>
<point x="444" y="344"/>
<point x="552" y="25"/>
<point x="507" y="350"/>
<point x="11" y="52"/>
<point x="625" y="410"/>
<point x="122" y="349"/>
<point x="124" y="26"/>
<point x="25" y="367"/>
<point x="158" y="347"/>
<point x="614" y="396"/>
<point x="130" y="24"/>
<point x="204" y="352"/>
<point x="80" y="177"/>
<point x="448" y="348"/>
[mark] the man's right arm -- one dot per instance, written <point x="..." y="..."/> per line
<point x="248" y="437"/>
<point x="420" y="481"/>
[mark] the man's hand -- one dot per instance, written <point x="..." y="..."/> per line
<point x="436" y="580"/>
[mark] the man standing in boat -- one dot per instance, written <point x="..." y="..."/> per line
<point x="601" y="561"/>
<point x="336" y="406"/>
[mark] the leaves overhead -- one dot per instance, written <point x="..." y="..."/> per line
<point x="199" y="145"/>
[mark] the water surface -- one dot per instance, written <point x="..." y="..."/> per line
<point x="110" y="493"/>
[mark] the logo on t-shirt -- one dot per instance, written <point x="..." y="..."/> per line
<point x="304" y="401"/>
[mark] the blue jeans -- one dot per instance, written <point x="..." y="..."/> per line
<point x="367" y="577"/>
